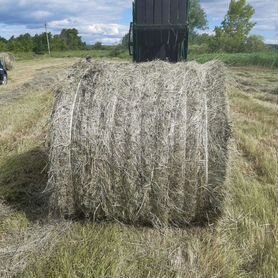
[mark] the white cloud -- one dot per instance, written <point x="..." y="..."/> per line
<point x="113" y="30"/>
<point x="271" y="41"/>
<point x="39" y="15"/>
<point x="62" y="24"/>
<point x="103" y="20"/>
<point x="209" y="32"/>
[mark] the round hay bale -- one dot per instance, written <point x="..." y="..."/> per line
<point x="142" y="144"/>
<point x="7" y="59"/>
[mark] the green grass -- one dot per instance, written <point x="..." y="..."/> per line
<point x="106" y="53"/>
<point x="23" y="56"/>
<point x="242" y="244"/>
<point x="262" y="59"/>
<point x="82" y="53"/>
<point x="23" y="159"/>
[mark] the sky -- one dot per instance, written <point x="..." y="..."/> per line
<point x="108" y="20"/>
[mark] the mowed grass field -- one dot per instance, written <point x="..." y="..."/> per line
<point x="268" y="58"/>
<point x="243" y="243"/>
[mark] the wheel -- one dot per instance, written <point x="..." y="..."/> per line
<point x="5" y="79"/>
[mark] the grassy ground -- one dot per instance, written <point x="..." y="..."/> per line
<point x="244" y="243"/>
<point x="262" y="59"/>
<point x="106" y="53"/>
<point x="27" y="69"/>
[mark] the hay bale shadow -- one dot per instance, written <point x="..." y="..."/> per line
<point x="23" y="179"/>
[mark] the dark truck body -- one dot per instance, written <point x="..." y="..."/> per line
<point x="159" y="30"/>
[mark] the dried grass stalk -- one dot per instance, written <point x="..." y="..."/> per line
<point x="140" y="143"/>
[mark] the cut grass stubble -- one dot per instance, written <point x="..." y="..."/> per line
<point x="242" y="244"/>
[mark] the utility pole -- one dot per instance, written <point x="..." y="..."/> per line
<point x="47" y="39"/>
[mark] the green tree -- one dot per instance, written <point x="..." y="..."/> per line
<point x="98" y="46"/>
<point x="71" y="39"/>
<point x="24" y="43"/>
<point x="233" y="33"/>
<point x="40" y="43"/>
<point x="57" y="44"/>
<point x="12" y="44"/>
<point x="197" y="17"/>
<point x="67" y="40"/>
<point x="199" y="43"/>
<point x="254" y="44"/>
<point x="3" y="44"/>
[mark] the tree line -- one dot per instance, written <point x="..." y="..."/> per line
<point x="68" y="39"/>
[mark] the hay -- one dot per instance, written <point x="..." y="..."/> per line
<point x="19" y="250"/>
<point x="7" y="60"/>
<point x="140" y="143"/>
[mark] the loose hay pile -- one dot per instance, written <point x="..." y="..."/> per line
<point x="7" y="59"/>
<point x="140" y="143"/>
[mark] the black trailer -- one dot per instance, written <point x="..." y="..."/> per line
<point x="159" y="30"/>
